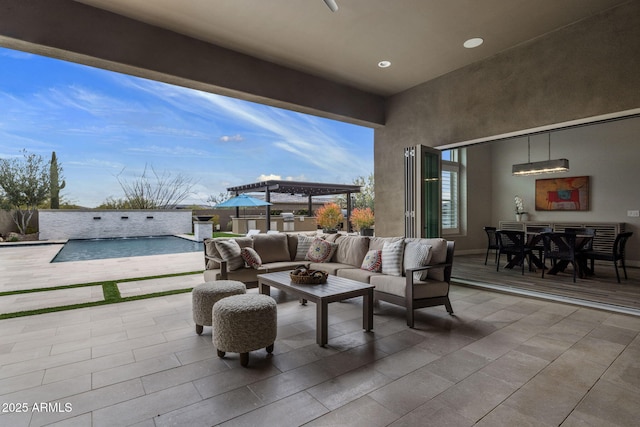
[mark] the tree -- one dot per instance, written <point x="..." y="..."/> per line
<point x="25" y="184"/>
<point x="113" y="203"/>
<point x="55" y="171"/>
<point x="364" y="199"/>
<point x="221" y="197"/>
<point x="159" y="191"/>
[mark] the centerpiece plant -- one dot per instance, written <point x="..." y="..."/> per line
<point x="362" y="219"/>
<point x="519" y="208"/>
<point x="329" y="216"/>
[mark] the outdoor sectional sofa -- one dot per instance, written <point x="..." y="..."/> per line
<point x="413" y="273"/>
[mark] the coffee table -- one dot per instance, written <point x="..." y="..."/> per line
<point x="336" y="289"/>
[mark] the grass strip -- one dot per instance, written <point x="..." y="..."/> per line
<point x="93" y="304"/>
<point x="111" y="292"/>
<point x="101" y="283"/>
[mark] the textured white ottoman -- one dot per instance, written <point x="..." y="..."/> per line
<point x="206" y="294"/>
<point x="243" y="323"/>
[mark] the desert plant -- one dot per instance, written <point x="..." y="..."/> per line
<point x="329" y="216"/>
<point x="55" y="185"/>
<point x="362" y="218"/>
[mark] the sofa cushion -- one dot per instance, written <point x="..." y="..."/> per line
<point x="251" y="257"/>
<point x="321" y="250"/>
<point x="230" y="251"/>
<point x="292" y="245"/>
<point x="332" y="237"/>
<point x="378" y="242"/>
<point x="329" y="267"/>
<point x="304" y="243"/>
<point x="246" y="275"/>
<point x="372" y="261"/>
<point x="392" y="258"/>
<point x="351" y="250"/>
<point x="356" y="274"/>
<point x="438" y="256"/>
<point x="416" y="254"/>
<point x="397" y="286"/>
<point x="271" y="247"/>
<point x="280" y="266"/>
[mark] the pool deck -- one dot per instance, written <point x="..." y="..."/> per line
<point x="28" y="267"/>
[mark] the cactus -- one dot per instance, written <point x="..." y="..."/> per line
<point x="55" y="186"/>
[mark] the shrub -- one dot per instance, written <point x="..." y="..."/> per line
<point x="329" y="216"/>
<point x="362" y="218"/>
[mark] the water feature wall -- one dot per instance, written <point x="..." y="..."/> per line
<point x="58" y="224"/>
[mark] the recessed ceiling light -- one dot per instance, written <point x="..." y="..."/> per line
<point x="384" y="64"/>
<point x="474" y="42"/>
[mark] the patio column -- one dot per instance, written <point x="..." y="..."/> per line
<point x="267" y="198"/>
<point x="348" y="212"/>
<point x="310" y="206"/>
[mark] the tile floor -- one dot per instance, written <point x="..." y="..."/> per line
<point x="501" y="360"/>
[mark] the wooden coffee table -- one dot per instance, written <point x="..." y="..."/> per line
<point x="336" y="289"/>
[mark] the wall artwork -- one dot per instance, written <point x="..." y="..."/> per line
<point x="562" y="194"/>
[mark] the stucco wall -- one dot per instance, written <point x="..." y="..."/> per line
<point x="94" y="224"/>
<point x="583" y="70"/>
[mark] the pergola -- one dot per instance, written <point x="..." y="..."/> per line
<point x="309" y="189"/>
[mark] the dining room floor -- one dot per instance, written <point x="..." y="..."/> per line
<point x="599" y="290"/>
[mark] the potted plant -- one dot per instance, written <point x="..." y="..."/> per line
<point x="362" y="219"/>
<point x="329" y="217"/>
<point x="520" y="213"/>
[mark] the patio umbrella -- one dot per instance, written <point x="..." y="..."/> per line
<point x="242" y="201"/>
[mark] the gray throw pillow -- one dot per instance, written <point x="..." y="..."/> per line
<point x="230" y="252"/>
<point x="392" y="258"/>
<point x="417" y="254"/>
<point x="304" y="243"/>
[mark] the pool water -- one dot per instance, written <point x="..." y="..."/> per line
<point x="82" y="250"/>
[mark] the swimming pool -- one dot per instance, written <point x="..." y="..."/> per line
<point x="82" y="250"/>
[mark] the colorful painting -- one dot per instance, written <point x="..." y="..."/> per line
<point x="562" y="194"/>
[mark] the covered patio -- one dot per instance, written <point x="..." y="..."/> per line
<point x="308" y="189"/>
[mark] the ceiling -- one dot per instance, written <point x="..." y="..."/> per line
<point x="422" y="39"/>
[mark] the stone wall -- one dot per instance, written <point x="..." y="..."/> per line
<point x="97" y="224"/>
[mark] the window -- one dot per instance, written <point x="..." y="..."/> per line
<point x="450" y="191"/>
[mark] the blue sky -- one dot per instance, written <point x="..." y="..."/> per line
<point x="103" y="124"/>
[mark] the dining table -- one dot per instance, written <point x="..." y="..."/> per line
<point x="581" y="245"/>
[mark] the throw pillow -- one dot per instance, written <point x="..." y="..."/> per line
<point x="251" y="257"/>
<point x="438" y="256"/>
<point x="230" y="252"/>
<point x="321" y="250"/>
<point x="304" y="243"/>
<point x="372" y="261"/>
<point x="392" y="258"/>
<point x="417" y="254"/>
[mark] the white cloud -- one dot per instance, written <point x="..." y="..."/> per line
<point x="270" y="177"/>
<point x="274" y="177"/>
<point x="227" y="138"/>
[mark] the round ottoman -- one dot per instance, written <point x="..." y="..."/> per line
<point x="206" y="294"/>
<point x="243" y="323"/>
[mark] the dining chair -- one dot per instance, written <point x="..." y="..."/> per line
<point x="534" y="238"/>
<point x="617" y="254"/>
<point x="492" y="243"/>
<point x="583" y="231"/>
<point x="513" y="243"/>
<point x="560" y="248"/>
